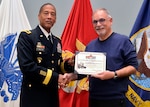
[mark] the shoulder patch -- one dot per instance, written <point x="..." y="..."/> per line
<point x="27" y="31"/>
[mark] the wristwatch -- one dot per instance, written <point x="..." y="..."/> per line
<point x="115" y="75"/>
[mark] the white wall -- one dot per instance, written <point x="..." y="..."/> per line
<point x="124" y="12"/>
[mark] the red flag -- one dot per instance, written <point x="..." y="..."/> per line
<point x="76" y="35"/>
<point x="79" y="28"/>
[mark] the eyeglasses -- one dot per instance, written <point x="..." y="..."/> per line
<point x="102" y="20"/>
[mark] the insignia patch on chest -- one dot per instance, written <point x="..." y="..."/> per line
<point x="40" y="47"/>
<point x="59" y="48"/>
<point x="39" y="59"/>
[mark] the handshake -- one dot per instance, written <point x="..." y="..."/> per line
<point x="64" y="79"/>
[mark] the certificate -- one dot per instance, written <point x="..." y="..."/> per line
<point x="90" y="62"/>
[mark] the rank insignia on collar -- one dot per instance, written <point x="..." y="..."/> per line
<point x="40" y="47"/>
<point x="41" y="36"/>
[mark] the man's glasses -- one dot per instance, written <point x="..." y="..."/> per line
<point x="102" y="20"/>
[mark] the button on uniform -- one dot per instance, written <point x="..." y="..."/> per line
<point x="52" y="69"/>
<point x="52" y="61"/>
<point x="30" y="85"/>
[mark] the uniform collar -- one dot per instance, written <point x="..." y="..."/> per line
<point x="45" y="32"/>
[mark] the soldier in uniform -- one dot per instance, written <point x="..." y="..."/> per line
<point x="40" y="58"/>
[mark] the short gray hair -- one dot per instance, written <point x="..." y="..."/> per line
<point x="103" y="9"/>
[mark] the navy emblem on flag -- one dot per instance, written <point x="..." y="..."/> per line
<point x="138" y="93"/>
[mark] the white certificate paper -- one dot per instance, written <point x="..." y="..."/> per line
<point x="90" y="62"/>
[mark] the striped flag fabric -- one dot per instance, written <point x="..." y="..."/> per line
<point x="13" y="19"/>
<point x="76" y="35"/>
<point x="138" y="94"/>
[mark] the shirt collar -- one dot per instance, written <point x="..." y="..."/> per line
<point x="45" y="32"/>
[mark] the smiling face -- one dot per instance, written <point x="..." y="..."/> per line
<point x="47" y="16"/>
<point x="102" y="23"/>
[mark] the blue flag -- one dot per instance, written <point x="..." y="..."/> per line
<point x="12" y="21"/>
<point x="138" y="93"/>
